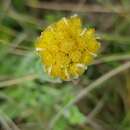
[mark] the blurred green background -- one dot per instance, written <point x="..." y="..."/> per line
<point x="29" y="99"/>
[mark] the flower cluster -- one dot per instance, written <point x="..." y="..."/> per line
<point x="66" y="49"/>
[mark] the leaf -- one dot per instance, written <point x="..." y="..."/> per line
<point x="74" y="116"/>
<point x="61" y="125"/>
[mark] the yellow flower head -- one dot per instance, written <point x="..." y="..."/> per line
<point x="66" y="49"/>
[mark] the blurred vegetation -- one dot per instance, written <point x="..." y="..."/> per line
<point x="29" y="99"/>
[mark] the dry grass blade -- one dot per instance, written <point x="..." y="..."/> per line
<point x="7" y="123"/>
<point x="73" y="7"/>
<point x="111" y="58"/>
<point x="98" y="108"/>
<point x="18" y="80"/>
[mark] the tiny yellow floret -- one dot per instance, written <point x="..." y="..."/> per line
<point x="66" y="49"/>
